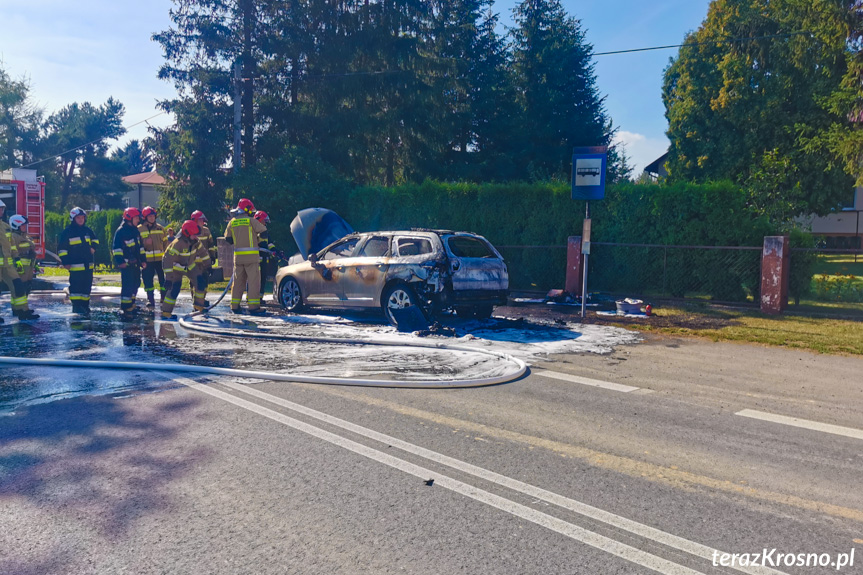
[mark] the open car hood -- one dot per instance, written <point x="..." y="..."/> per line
<point x="316" y="228"/>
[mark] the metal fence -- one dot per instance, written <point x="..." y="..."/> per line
<point x="731" y="274"/>
<point x="821" y="280"/>
<point x="827" y="280"/>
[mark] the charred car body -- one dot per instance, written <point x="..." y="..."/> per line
<point x="432" y="269"/>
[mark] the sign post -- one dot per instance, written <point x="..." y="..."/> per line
<point x="588" y="183"/>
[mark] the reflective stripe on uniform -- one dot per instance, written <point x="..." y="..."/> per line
<point x="77" y="267"/>
<point x="74" y="241"/>
<point x="245" y="252"/>
<point x="62" y="253"/>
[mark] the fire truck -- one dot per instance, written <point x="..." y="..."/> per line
<point x="24" y="193"/>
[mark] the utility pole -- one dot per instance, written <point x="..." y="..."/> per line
<point x="238" y="111"/>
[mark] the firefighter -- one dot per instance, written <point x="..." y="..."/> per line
<point x="130" y="257"/>
<point x="186" y="256"/>
<point x="206" y="236"/>
<point x="26" y="246"/>
<point x="267" y="251"/>
<point x="245" y="233"/>
<point x="8" y="272"/>
<point x="207" y="240"/>
<point x="76" y="247"/>
<point x="153" y="238"/>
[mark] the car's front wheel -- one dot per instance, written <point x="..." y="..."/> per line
<point x="290" y="295"/>
<point x="398" y="296"/>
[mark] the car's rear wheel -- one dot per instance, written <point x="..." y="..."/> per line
<point x="398" y="296"/>
<point x="290" y="295"/>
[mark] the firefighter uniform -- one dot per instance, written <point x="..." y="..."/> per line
<point x="207" y="240"/>
<point x="185" y="257"/>
<point x="75" y="248"/>
<point x="26" y="265"/>
<point x="245" y="233"/>
<point x="128" y="249"/>
<point x="9" y="273"/>
<point x="154" y="241"/>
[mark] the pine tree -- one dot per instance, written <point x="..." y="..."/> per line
<point x="557" y="91"/>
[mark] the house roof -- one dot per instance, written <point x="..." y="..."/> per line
<point x="654" y="166"/>
<point x="151" y="178"/>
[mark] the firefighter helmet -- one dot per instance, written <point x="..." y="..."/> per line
<point x="246" y="205"/>
<point x="2" y="204"/>
<point x="198" y="216"/>
<point x="262" y="217"/>
<point x="190" y="228"/>
<point x="75" y="212"/>
<point x="17" y="221"/>
<point x="147" y="211"/>
<point x="130" y="214"/>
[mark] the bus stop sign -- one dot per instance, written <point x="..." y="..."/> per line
<point x="588" y="173"/>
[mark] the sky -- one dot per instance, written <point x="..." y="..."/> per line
<point x="91" y="50"/>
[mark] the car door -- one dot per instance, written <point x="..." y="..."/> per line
<point x="475" y="264"/>
<point x="366" y="271"/>
<point x="324" y="283"/>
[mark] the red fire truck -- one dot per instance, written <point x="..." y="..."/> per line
<point x="24" y="193"/>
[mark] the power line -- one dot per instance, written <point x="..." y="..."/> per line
<point x="720" y="41"/>
<point x="126" y="128"/>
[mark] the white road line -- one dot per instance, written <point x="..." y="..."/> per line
<point x="584" y="509"/>
<point x="575" y="532"/>
<point x="804" y="423"/>
<point x="585" y="381"/>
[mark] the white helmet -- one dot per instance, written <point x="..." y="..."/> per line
<point x="75" y="212"/>
<point x="17" y="221"/>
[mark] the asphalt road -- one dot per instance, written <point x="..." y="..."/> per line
<point x="558" y="472"/>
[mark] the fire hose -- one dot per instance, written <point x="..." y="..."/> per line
<point x="187" y="323"/>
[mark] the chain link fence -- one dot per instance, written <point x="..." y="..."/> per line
<point x="730" y="274"/>
<point x="827" y="280"/>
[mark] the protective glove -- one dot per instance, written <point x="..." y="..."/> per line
<point x="19" y="266"/>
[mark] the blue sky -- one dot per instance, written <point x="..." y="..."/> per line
<point x="93" y="49"/>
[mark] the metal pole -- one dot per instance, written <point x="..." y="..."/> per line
<point x="586" y="256"/>
<point x="238" y="109"/>
<point x="857" y="235"/>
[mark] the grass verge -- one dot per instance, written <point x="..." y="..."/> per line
<point x="793" y="330"/>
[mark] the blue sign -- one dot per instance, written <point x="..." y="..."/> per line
<point x="588" y="173"/>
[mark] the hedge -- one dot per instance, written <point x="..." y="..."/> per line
<point x="103" y="223"/>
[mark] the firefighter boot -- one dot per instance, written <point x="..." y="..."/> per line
<point x="151" y="299"/>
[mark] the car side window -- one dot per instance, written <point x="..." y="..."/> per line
<point x="414" y="246"/>
<point x="376" y="247"/>
<point x="341" y="250"/>
<point x="468" y="247"/>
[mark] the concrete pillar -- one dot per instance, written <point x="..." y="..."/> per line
<point x="775" y="267"/>
<point x="574" y="265"/>
<point x="226" y="256"/>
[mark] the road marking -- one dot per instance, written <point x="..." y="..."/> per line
<point x="804" y="423"/>
<point x="583" y="509"/>
<point x="586" y="381"/>
<point x="560" y="526"/>
<point x="641" y="470"/>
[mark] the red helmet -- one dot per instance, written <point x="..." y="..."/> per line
<point x="262" y="217"/>
<point x="146" y="212"/>
<point x="198" y="216"/>
<point x="246" y="205"/>
<point x="190" y="228"/>
<point x="130" y="213"/>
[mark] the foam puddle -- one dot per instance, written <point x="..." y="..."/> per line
<point x="60" y="334"/>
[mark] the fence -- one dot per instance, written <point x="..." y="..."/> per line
<point x="831" y="280"/>
<point x="731" y="274"/>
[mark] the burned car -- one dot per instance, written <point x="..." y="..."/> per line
<point x="432" y="269"/>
